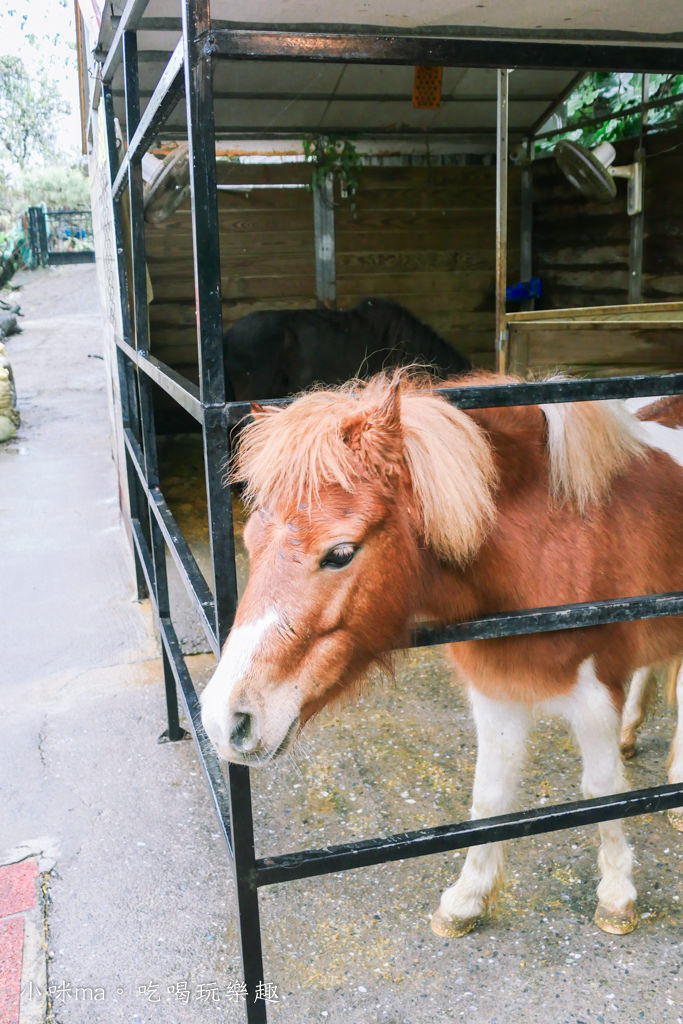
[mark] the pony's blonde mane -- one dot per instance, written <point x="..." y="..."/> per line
<point x="589" y="444"/>
<point x="286" y="457"/>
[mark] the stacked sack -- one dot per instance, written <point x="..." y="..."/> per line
<point x="9" y="414"/>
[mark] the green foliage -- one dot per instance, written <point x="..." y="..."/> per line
<point x="606" y="95"/>
<point x="337" y="156"/>
<point x="29" y="106"/>
<point x="60" y="188"/>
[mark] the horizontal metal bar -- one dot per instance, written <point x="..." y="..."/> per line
<point x="129" y="21"/>
<point x="182" y="390"/>
<point x="611" y="35"/>
<point x="617" y="115"/>
<point x="207" y="754"/>
<point x="251" y="188"/>
<point x="556" y="103"/>
<point x="427" y="841"/>
<point x="164" y="99"/>
<point x="533" y="393"/>
<point x="247" y="132"/>
<point x="587" y="390"/>
<point x="325" y="97"/>
<point x="546" y="620"/>
<point x="373" y="48"/>
<point x="70" y="213"/>
<point x="185" y="562"/>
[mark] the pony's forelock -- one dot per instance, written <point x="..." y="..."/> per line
<point x="286" y="457"/>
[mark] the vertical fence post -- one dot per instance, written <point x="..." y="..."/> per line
<point x="323" y="223"/>
<point x="526" y="225"/>
<point x="35" y="216"/>
<point x="126" y="376"/>
<point x="501" y="219"/>
<point x="42" y="237"/>
<point x="199" y="66"/>
<point x="637" y="238"/>
<point x="146" y="408"/>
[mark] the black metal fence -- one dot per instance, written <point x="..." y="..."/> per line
<point x="57" y="237"/>
<point x="190" y="70"/>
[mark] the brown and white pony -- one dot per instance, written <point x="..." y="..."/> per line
<point x="380" y="502"/>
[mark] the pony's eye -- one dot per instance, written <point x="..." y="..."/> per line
<point x="339" y="556"/>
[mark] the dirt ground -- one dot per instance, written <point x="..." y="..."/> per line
<point x="140" y="899"/>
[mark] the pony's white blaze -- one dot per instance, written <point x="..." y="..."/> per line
<point x="666" y="439"/>
<point x="238" y="654"/>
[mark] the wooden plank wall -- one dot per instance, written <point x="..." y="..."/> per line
<point x="267" y="257"/>
<point x="596" y="349"/>
<point x="425" y="236"/>
<point x="422" y="236"/>
<point x="581" y="252"/>
<point x="663" y="248"/>
<point x="581" y="247"/>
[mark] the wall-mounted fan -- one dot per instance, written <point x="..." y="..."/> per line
<point x="592" y="173"/>
<point x="166" y="183"/>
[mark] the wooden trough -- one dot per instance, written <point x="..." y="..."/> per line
<point x="601" y="341"/>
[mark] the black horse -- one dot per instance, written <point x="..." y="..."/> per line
<point x="274" y="353"/>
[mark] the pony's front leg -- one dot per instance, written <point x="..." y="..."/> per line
<point x="676" y="756"/>
<point x="502" y="730"/>
<point x="596" y="722"/>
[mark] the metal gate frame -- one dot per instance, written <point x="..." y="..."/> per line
<point x="190" y="70"/>
<point x="42" y="254"/>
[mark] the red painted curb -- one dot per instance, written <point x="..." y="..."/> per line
<point x="11" y="956"/>
<point x="18" y="887"/>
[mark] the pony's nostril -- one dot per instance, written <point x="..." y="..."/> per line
<point x="244" y="734"/>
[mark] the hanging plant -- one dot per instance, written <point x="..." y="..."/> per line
<point x="336" y="156"/>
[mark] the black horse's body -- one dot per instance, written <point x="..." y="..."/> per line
<point x="273" y="353"/>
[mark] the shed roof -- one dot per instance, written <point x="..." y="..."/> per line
<point x="265" y="99"/>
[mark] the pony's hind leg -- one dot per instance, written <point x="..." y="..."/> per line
<point x="502" y="729"/>
<point x="595" y="722"/>
<point x="642" y="688"/>
<point x="676" y="755"/>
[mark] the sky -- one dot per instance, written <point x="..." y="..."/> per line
<point x="44" y="30"/>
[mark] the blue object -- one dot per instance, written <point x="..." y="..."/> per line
<point x="532" y="289"/>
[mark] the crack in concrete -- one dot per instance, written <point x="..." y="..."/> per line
<point x="42" y="736"/>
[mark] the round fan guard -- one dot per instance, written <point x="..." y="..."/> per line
<point x="585" y="171"/>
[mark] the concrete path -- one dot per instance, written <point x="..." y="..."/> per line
<point x="140" y="925"/>
<point x="82" y="702"/>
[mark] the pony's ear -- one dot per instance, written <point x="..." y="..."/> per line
<point x="376" y="434"/>
<point x="260" y="412"/>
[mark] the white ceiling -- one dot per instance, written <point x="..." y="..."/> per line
<point x="559" y="18"/>
<point x="271" y="99"/>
